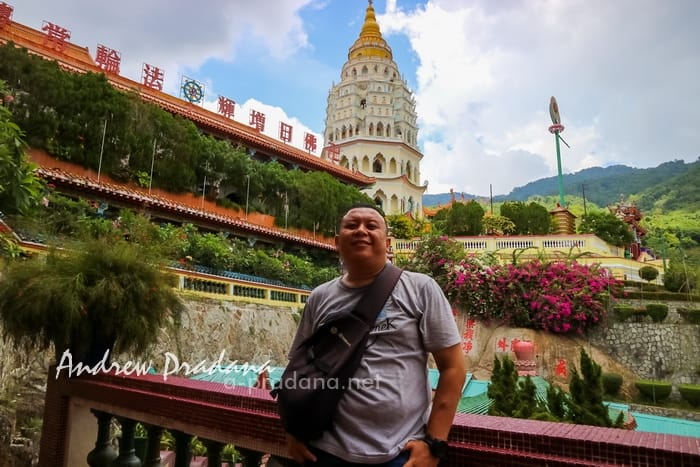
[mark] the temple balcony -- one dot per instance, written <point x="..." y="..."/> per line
<point x="80" y="410"/>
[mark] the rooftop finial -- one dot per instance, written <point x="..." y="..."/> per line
<point x="370" y="42"/>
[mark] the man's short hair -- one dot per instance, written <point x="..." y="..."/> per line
<point x="364" y="205"/>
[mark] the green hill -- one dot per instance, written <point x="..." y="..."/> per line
<point x="676" y="183"/>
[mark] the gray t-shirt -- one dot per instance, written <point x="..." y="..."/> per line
<point x="388" y="402"/>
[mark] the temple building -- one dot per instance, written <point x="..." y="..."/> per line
<point x="371" y="123"/>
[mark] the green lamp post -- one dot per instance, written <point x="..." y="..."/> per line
<point x="556" y="129"/>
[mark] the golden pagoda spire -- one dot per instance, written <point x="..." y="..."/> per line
<point x="370" y="43"/>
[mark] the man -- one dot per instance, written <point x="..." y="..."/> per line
<point x="391" y="421"/>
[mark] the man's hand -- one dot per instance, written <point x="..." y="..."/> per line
<point x="298" y="451"/>
<point x="420" y="455"/>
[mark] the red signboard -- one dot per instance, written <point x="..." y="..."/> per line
<point x="108" y="59"/>
<point x="226" y="106"/>
<point x="152" y="77"/>
<point x="56" y="36"/>
<point x="285" y="132"/>
<point x="257" y="119"/>
<point x="310" y="142"/>
<point x="333" y="152"/>
<point x="5" y="14"/>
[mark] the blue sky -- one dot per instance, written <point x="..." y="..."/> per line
<point x="625" y="72"/>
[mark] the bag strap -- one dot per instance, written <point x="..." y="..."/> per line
<point x="376" y="295"/>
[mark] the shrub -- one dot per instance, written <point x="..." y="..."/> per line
<point x="691" y="315"/>
<point x="648" y="273"/>
<point x="660" y="296"/>
<point x="657" y="311"/>
<point x="690" y="393"/>
<point x="639" y="314"/>
<point x="611" y="383"/>
<point x="654" y="390"/>
<point x="623" y="312"/>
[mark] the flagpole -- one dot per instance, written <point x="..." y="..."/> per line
<point x="153" y="160"/>
<point x="102" y="148"/>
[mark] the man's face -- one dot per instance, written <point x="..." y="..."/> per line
<point x="362" y="236"/>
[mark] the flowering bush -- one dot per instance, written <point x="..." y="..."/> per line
<point x="468" y="285"/>
<point x="560" y="297"/>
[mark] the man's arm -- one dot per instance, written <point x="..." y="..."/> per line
<point x="450" y="364"/>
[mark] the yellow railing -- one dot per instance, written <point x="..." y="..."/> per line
<point x="237" y="289"/>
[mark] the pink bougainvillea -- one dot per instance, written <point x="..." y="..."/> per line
<point x="560" y="297"/>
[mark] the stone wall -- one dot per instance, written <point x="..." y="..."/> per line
<point x="668" y="351"/>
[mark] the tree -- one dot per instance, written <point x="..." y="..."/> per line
<point x="607" y="227"/>
<point x="585" y="406"/>
<point x="503" y="388"/>
<point x="538" y="219"/>
<point x="103" y="292"/>
<point x="464" y="219"/>
<point x="529" y="219"/>
<point x="20" y="188"/>
<point x="498" y="225"/>
<point x="401" y="226"/>
<point x="513" y="396"/>
<point x="648" y="273"/>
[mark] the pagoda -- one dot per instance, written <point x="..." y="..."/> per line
<point x="371" y="123"/>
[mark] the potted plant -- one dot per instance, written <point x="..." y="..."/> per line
<point x="90" y="297"/>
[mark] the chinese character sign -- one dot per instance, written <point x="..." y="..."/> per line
<point x="5" y="14"/>
<point x="501" y="344"/>
<point x="310" y="142"/>
<point x="560" y="369"/>
<point x="56" y="36"/>
<point x="333" y="152"/>
<point x="152" y="77"/>
<point x="257" y="119"/>
<point x="226" y="106"/>
<point x="285" y="132"/>
<point x="107" y="59"/>
<point x="468" y="335"/>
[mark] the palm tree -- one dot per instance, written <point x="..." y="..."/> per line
<point x="92" y="296"/>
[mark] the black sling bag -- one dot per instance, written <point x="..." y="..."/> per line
<point x="321" y="367"/>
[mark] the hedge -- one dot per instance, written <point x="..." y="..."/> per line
<point x="611" y="383"/>
<point x="623" y="312"/>
<point x="691" y="315"/>
<point x="657" y="311"/>
<point x="659" y="296"/>
<point x="690" y="393"/>
<point x="654" y="390"/>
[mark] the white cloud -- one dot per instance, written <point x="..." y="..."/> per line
<point x="173" y="36"/>
<point x="624" y="73"/>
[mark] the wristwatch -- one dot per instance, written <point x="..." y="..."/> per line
<point x="438" y="447"/>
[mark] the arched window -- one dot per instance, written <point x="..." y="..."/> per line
<point x="371" y="129"/>
<point x="378" y="164"/>
<point x="379" y="203"/>
<point x="364" y="70"/>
